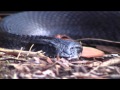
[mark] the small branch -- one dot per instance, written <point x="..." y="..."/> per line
<point x="7" y="59"/>
<point x="108" y="63"/>
<point x="95" y="39"/>
<point x="111" y="62"/>
<point x="86" y="76"/>
<point x="16" y="52"/>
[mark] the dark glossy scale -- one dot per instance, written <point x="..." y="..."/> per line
<point x="40" y="27"/>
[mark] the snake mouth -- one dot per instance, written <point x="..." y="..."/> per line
<point x="76" y="57"/>
<point x="71" y="56"/>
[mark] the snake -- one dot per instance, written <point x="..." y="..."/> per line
<point x="22" y="29"/>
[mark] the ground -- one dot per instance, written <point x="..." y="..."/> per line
<point x="19" y="64"/>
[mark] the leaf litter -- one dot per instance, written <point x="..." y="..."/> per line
<point x="18" y="64"/>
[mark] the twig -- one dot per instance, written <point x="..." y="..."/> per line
<point x="87" y="76"/>
<point x="95" y="39"/>
<point x="108" y="63"/>
<point x="111" y="62"/>
<point x="16" y="52"/>
<point x="12" y="59"/>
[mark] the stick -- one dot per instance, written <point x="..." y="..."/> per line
<point x="16" y="52"/>
<point x="103" y="40"/>
<point x="108" y="63"/>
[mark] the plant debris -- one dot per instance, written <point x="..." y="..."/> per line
<point x="89" y="52"/>
<point x="19" y="64"/>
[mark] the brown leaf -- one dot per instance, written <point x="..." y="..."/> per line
<point x="90" y="52"/>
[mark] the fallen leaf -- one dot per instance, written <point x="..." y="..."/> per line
<point x="90" y="52"/>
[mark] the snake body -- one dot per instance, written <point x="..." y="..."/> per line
<point x="39" y="27"/>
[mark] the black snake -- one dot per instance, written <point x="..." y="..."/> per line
<point x="39" y="28"/>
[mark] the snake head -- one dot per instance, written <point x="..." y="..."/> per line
<point x="63" y="48"/>
<point x="69" y="49"/>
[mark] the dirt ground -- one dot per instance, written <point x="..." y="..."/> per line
<point x="19" y="64"/>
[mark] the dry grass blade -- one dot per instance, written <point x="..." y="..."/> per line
<point x="19" y="53"/>
<point x="30" y="49"/>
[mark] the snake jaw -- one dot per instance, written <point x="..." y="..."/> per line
<point x="75" y="57"/>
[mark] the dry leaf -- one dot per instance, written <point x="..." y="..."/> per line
<point x="90" y="52"/>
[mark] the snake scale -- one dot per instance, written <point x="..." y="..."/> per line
<point x="22" y="29"/>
